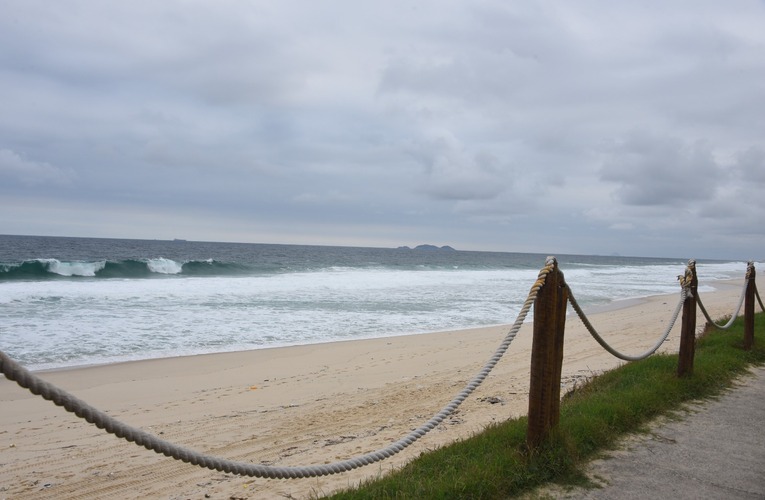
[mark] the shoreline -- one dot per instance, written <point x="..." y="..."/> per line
<point x="612" y="306"/>
<point x="296" y="405"/>
<point x="598" y="309"/>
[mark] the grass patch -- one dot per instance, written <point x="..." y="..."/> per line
<point x="497" y="464"/>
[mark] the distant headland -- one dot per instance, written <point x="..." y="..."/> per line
<point x="429" y="248"/>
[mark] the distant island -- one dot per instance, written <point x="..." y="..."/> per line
<point x="429" y="248"/>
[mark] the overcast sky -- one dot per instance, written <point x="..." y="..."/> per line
<point x="592" y="127"/>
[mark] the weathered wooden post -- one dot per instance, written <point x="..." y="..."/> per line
<point x="547" y="357"/>
<point x="749" y="307"/>
<point x="688" y="332"/>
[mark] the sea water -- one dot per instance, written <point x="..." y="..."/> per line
<point x="75" y="301"/>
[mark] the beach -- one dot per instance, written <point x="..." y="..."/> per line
<point x="300" y="405"/>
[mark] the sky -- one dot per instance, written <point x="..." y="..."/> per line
<point x="584" y="127"/>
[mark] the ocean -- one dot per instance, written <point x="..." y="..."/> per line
<point x="68" y="302"/>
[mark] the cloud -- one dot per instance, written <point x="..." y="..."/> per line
<point x="14" y="168"/>
<point x="621" y="123"/>
<point x="750" y="165"/>
<point x="653" y="171"/>
<point x="454" y="173"/>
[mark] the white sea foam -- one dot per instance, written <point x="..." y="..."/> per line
<point x="69" y="322"/>
<point x="73" y="268"/>
<point x="164" y="266"/>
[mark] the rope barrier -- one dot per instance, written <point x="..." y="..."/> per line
<point x="733" y="317"/>
<point x="685" y="293"/>
<point x="24" y="378"/>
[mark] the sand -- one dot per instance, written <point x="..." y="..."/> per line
<point x="294" y="406"/>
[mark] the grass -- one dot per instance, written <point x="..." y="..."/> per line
<point x="497" y="464"/>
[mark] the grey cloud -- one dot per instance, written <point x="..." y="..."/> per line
<point x="488" y="55"/>
<point x="661" y="171"/>
<point x="438" y="117"/>
<point x="14" y="168"/>
<point x="750" y="164"/>
<point x="452" y="172"/>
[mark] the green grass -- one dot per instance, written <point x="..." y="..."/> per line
<point x="497" y="464"/>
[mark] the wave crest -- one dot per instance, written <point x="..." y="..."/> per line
<point x="55" y="266"/>
<point x="52" y="269"/>
<point x="164" y="266"/>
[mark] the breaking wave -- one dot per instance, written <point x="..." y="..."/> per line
<point x="49" y="269"/>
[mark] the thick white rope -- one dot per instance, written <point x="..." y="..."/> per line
<point x="683" y="295"/>
<point x="23" y="377"/>
<point x="735" y="314"/>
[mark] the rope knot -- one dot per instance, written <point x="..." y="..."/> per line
<point x="749" y="269"/>
<point x="685" y="279"/>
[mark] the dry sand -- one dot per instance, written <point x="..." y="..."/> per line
<point x="293" y="406"/>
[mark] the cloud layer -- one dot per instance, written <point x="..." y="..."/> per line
<point x="553" y="127"/>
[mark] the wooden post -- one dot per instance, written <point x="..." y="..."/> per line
<point x="749" y="308"/>
<point x="546" y="358"/>
<point x="688" y="332"/>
